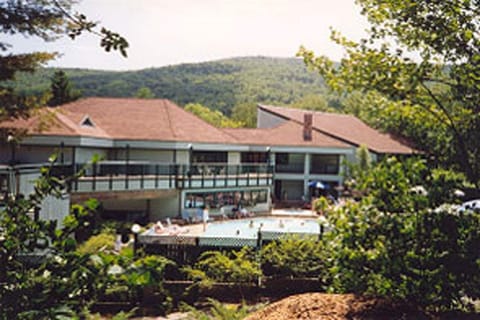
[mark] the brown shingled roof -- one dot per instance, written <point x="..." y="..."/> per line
<point x="286" y="134"/>
<point x="347" y="128"/>
<point x="125" y="118"/>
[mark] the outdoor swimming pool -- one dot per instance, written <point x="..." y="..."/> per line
<point x="236" y="233"/>
<point x="246" y="231"/>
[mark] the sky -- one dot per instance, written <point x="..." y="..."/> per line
<point x="169" y="32"/>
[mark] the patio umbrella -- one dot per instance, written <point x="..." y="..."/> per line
<point x="317" y="185"/>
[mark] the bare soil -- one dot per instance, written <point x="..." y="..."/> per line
<point x="336" y="307"/>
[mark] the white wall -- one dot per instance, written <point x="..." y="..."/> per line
<point x="33" y="154"/>
<point x="55" y="209"/>
<point x="267" y="120"/>
<point x="84" y="155"/>
<point x="183" y="157"/>
<point x="234" y="158"/>
<point x="162" y="208"/>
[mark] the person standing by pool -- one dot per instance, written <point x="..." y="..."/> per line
<point x="205" y="217"/>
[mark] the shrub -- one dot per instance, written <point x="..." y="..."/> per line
<point x="294" y="257"/>
<point x="97" y="243"/>
<point x="236" y="266"/>
<point x="428" y="258"/>
<point x="321" y="205"/>
<point x="217" y="311"/>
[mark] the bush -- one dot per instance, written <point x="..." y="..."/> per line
<point x="217" y="311"/>
<point x="294" y="257"/>
<point x="428" y="258"/>
<point x="97" y="243"/>
<point x="215" y="266"/>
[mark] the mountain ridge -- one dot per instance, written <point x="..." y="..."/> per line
<point x="219" y="84"/>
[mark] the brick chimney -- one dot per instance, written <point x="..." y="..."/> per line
<point x="307" y="126"/>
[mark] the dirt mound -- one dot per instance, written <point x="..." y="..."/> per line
<point x="331" y="307"/>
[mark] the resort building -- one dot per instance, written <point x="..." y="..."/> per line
<point x="157" y="160"/>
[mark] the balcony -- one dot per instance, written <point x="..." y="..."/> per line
<point x="325" y="169"/>
<point x="108" y="176"/>
<point x="290" y="168"/>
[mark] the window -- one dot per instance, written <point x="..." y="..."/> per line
<point x="325" y="164"/>
<point x="209" y="157"/>
<point x="254" y="157"/>
<point x="247" y="198"/>
<point x="87" y="122"/>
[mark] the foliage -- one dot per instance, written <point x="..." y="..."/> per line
<point x="389" y="184"/>
<point x="442" y="80"/>
<point x="321" y="205"/>
<point x="236" y="266"/>
<point x="221" y="85"/>
<point x="404" y="186"/>
<point x="442" y="184"/>
<point x="364" y="159"/>
<point x="218" y="311"/>
<point x="215" y="118"/>
<point x="47" y="20"/>
<point x="97" y="243"/>
<point x="41" y="275"/>
<point x="428" y="258"/>
<point x="294" y="257"/>
<point x="124" y="278"/>
<point x="122" y="315"/>
<point x="245" y="113"/>
<point x="315" y="102"/>
<point x="144" y="93"/>
<point x="61" y="89"/>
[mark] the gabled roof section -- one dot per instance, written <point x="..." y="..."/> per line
<point x="289" y="133"/>
<point x="124" y="119"/>
<point x="346" y="128"/>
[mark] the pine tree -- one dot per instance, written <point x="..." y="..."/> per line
<point x="47" y="20"/>
<point x="62" y="89"/>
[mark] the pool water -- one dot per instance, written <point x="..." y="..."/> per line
<point x="248" y="228"/>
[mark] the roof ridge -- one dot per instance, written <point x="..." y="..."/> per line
<point x="315" y="128"/>
<point x="310" y="111"/>
<point x="169" y="119"/>
<point x="70" y="124"/>
<point x="63" y="119"/>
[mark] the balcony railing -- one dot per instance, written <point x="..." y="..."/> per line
<point x="134" y="175"/>
<point x="325" y="169"/>
<point x="290" y="168"/>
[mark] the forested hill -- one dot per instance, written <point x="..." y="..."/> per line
<point x="219" y="85"/>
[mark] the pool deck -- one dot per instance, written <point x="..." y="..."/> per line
<point x="295" y="213"/>
<point x="189" y="234"/>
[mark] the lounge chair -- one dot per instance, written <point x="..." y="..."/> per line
<point x="186" y="215"/>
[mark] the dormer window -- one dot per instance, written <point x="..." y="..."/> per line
<point x="87" y="122"/>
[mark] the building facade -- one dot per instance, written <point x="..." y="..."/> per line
<point x="155" y="160"/>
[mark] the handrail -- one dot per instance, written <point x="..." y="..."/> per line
<point x="115" y="175"/>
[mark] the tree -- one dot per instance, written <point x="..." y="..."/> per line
<point x="48" y="20"/>
<point x="62" y="89"/>
<point x="245" y="112"/>
<point x="314" y="102"/>
<point x="215" y="118"/>
<point x="144" y="93"/>
<point x="442" y="79"/>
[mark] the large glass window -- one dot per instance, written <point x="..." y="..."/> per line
<point x="289" y="162"/>
<point x="254" y="157"/>
<point x="325" y="164"/>
<point x="209" y="157"/>
<point x="247" y="198"/>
